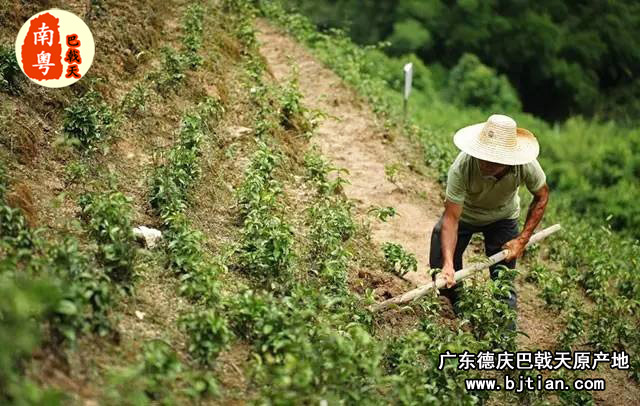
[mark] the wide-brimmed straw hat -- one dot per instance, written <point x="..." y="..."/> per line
<point x="498" y="140"/>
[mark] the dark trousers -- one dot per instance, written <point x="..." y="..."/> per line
<point x="495" y="235"/>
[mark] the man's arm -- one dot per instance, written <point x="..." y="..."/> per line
<point x="449" y="239"/>
<point x="534" y="215"/>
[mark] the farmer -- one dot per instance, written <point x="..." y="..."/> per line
<point x="482" y="197"/>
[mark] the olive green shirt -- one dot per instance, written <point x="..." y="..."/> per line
<point x="486" y="199"/>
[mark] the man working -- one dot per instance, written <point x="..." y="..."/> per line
<point x="482" y="197"/>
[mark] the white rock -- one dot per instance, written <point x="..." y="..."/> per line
<point x="239" y="131"/>
<point x="140" y="315"/>
<point x="150" y="236"/>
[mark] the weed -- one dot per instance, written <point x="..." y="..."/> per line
<point x="383" y="213"/>
<point x="391" y="172"/>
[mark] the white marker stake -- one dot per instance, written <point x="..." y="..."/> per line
<point x="408" y="75"/>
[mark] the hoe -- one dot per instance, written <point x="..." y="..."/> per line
<point x="459" y="275"/>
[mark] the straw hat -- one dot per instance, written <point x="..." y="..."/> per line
<point x="498" y="140"/>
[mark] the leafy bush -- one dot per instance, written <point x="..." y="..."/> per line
<point x="9" y="70"/>
<point x="292" y="340"/>
<point x="475" y="84"/>
<point x="398" y="260"/>
<point x="208" y="334"/>
<point x="171" y="74"/>
<point x="484" y="305"/>
<point x="88" y="121"/>
<point x="109" y="217"/>
<point x="24" y="302"/>
<point x="87" y="297"/>
<point x="135" y="101"/>
<point x="192" y="28"/>
<point x="412" y="361"/>
<point x="158" y="376"/>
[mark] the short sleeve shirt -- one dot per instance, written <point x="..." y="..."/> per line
<point x="486" y="199"/>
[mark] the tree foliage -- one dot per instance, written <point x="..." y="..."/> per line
<point x="584" y="67"/>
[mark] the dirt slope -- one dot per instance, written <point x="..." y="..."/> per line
<point x="353" y="138"/>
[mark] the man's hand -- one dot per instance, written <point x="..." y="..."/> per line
<point x="515" y="247"/>
<point x="448" y="274"/>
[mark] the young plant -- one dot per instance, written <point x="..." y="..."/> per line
<point x="208" y="333"/>
<point x="383" y="213"/>
<point x="192" y="27"/>
<point x="109" y="217"/>
<point x="391" y="172"/>
<point x="398" y="260"/>
<point x="135" y="101"/>
<point x="9" y="70"/>
<point x="88" y="122"/>
<point x="484" y="304"/>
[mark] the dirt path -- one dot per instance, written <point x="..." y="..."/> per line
<point x="353" y="138"/>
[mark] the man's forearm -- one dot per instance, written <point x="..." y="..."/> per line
<point x="449" y="239"/>
<point x="535" y="213"/>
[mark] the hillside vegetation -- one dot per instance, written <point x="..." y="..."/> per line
<point x="259" y="290"/>
<point x="582" y="54"/>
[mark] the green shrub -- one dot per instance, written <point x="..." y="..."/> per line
<point x="9" y="70"/>
<point x="109" y="217"/>
<point x="475" y="84"/>
<point x="88" y="121"/>
<point x="24" y="302"/>
<point x="87" y="296"/>
<point x="330" y="225"/>
<point x="208" y="334"/>
<point x="398" y="260"/>
<point x="192" y="27"/>
<point x="151" y="379"/>
<point x="135" y="101"/>
<point x="483" y="303"/>
<point x="171" y="73"/>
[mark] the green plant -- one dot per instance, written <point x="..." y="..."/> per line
<point x="88" y="121"/>
<point x="208" y="333"/>
<point x="192" y="27"/>
<point x="109" y="217"/>
<point x="383" y="213"/>
<point x="391" y="172"/>
<point x="151" y="379"/>
<point x="171" y="73"/>
<point x="484" y="304"/>
<point x="319" y="172"/>
<point x="135" y="101"/>
<point x="9" y="70"/>
<point x="24" y="302"/>
<point x="330" y="225"/>
<point x="574" y="329"/>
<point x="87" y="297"/>
<point x="398" y="260"/>
<point x="473" y="83"/>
